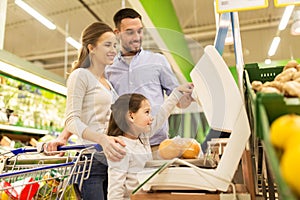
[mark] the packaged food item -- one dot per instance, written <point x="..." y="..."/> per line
<point x="21" y="189"/>
<point x="50" y="184"/>
<point x="4" y="196"/>
<point x="72" y="192"/>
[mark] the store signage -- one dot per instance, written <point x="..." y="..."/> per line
<point x="280" y="3"/>
<point x="239" y="5"/>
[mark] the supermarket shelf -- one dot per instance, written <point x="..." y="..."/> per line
<point x="23" y="129"/>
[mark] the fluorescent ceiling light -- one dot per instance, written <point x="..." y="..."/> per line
<point x="35" y="14"/>
<point x="268" y="61"/>
<point x="285" y="17"/>
<point x="73" y="42"/>
<point x="295" y="28"/>
<point x="32" y="78"/>
<point x="274" y="46"/>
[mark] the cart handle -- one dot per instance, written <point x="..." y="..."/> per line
<point x="59" y="148"/>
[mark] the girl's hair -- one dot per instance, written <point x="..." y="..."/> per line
<point x="118" y="123"/>
<point x="89" y="35"/>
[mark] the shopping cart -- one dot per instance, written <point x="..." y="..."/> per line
<point x="26" y="175"/>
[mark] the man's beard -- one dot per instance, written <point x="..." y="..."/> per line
<point x="131" y="50"/>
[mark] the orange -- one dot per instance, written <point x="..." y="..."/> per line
<point x="191" y="149"/>
<point x="289" y="164"/>
<point x="283" y="129"/>
<point x="169" y="149"/>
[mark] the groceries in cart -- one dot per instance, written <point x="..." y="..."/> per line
<point x="22" y="179"/>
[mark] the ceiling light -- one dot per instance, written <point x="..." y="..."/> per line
<point x="32" y="78"/>
<point x="73" y="42"/>
<point x="35" y="14"/>
<point x="285" y="17"/>
<point x="274" y="46"/>
<point x="268" y="61"/>
<point x="295" y="29"/>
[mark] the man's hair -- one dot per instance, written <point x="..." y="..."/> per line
<point x="123" y="14"/>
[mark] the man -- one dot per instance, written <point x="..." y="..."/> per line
<point x="136" y="70"/>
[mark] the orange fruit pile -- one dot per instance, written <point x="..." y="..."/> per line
<point x="285" y="136"/>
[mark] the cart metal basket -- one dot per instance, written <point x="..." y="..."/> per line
<point x="27" y="176"/>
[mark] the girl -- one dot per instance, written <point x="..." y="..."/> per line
<point x="132" y="122"/>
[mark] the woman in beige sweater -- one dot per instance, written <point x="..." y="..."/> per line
<point x="89" y="98"/>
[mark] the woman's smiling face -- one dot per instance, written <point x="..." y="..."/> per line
<point x="106" y="48"/>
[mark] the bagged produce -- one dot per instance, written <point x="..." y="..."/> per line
<point x="177" y="147"/>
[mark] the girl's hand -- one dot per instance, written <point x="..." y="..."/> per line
<point x="186" y="99"/>
<point x="113" y="148"/>
<point x="186" y="88"/>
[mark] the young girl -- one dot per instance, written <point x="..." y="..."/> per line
<point x="132" y="122"/>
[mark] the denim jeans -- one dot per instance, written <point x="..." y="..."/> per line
<point x="95" y="187"/>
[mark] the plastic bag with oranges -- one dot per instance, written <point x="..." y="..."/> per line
<point x="187" y="148"/>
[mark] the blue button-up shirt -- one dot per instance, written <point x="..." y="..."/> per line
<point x="148" y="74"/>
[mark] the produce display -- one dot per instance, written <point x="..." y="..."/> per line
<point x="286" y="83"/>
<point x="273" y="107"/>
<point x="285" y="137"/>
<point x="187" y="148"/>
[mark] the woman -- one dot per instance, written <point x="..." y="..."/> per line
<point x="89" y="98"/>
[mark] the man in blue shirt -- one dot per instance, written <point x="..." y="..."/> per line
<point x="136" y="70"/>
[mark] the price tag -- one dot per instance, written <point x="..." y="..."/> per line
<point x="281" y="3"/>
<point x="239" y="5"/>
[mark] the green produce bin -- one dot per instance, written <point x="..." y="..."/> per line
<point x="255" y="73"/>
<point x="263" y="109"/>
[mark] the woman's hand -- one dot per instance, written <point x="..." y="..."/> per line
<point x="113" y="148"/>
<point x="50" y="148"/>
<point x="61" y="140"/>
